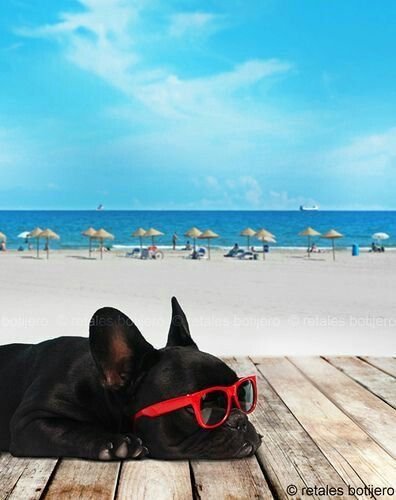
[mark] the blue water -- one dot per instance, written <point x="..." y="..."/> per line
<point x="356" y="226"/>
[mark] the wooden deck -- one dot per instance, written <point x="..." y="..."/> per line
<point x="327" y="423"/>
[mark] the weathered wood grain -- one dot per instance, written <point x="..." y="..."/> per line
<point x="23" y="478"/>
<point x="376" y="381"/>
<point x="377" y="418"/>
<point x="287" y="454"/>
<point x="324" y="421"/>
<point x="229" y="479"/>
<point x="155" y="479"/>
<point x="347" y="447"/>
<point x="83" y="479"/>
<point x="387" y="365"/>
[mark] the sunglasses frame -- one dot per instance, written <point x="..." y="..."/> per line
<point x="194" y="399"/>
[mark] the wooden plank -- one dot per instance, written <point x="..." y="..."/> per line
<point x="387" y="365"/>
<point x="155" y="479"/>
<point x="24" y="477"/>
<point x="84" y="480"/>
<point x="377" y="418"/>
<point x="379" y="383"/>
<point x="347" y="447"/>
<point x="287" y="454"/>
<point x="231" y="479"/>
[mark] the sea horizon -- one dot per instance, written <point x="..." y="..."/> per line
<point x="357" y="226"/>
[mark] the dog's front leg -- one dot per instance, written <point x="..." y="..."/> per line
<point x="57" y="437"/>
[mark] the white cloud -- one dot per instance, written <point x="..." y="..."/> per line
<point x="283" y="201"/>
<point x="192" y="23"/>
<point x="97" y="40"/>
<point x="101" y="40"/>
<point x="253" y="193"/>
<point x="372" y="155"/>
<point x="245" y="192"/>
<point x="174" y="97"/>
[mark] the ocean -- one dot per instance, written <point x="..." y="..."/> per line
<point x="357" y="227"/>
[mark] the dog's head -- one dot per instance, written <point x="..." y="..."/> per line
<point x="143" y="376"/>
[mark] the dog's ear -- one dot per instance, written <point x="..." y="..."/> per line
<point x="117" y="347"/>
<point x="179" y="332"/>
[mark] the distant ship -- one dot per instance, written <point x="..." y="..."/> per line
<point x="100" y="207"/>
<point x="309" y="209"/>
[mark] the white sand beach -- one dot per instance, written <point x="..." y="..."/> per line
<point x="287" y="304"/>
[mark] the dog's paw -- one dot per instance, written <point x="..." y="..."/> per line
<point x="123" y="447"/>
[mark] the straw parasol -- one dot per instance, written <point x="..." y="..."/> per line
<point x="332" y="235"/>
<point x="102" y="235"/>
<point x="264" y="233"/>
<point x="265" y="238"/>
<point x="208" y="235"/>
<point x="309" y="232"/>
<point x="248" y="232"/>
<point x="90" y="233"/>
<point x="139" y="233"/>
<point x="153" y="233"/>
<point x="48" y="234"/>
<point x="35" y="234"/>
<point x="193" y="233"/>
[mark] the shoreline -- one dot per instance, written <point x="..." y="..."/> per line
<point x="216" y="251"/>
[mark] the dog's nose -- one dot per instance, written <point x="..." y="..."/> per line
<point x="237" y="420"/>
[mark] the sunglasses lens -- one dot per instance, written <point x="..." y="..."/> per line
<point x="213" y="407"/>
<point x="246" y="395"/>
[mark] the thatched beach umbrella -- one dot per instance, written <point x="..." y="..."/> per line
<point x="35" y="234"/>
<point x="208" y="235"/>
<point x="265" y="238"/>
<point x="264" y="233"/>
<point x="249" y="233"/>
<point x="153" y="233"/>
<point x="102" y="235"/>
<point x="139" y="233"/>
<point x="193" y="233"/>
<point x="89" y="233"/>
<point x="332" y="235"/>
<point x="48" y="234"/>
<point x="309" y="232"/>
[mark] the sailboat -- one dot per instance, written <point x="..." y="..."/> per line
<point x="100" y="207"/>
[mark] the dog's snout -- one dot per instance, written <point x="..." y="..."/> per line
<point x="238" y="420"/>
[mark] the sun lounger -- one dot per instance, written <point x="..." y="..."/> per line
<point x="135" y="253"/>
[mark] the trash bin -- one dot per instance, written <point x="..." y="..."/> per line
<point x="355" y="250"/>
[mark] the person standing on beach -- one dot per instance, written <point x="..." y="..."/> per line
<point x="174" y="240"/>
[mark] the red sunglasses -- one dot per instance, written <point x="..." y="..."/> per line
<point x="211" y="406"/>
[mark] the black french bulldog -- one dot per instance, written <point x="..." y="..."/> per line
<point x="74" y="397"/>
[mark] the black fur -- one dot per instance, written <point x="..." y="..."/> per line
<point x="74" y="397"/>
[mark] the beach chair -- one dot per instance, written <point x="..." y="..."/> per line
<point x="134" y="254"/>
<point x="202" y="253"/>
<point x="246" y="256"/>
<point x="145" y="254"/>
<point x="239" y="253"/>
<point x="232" y="252"/>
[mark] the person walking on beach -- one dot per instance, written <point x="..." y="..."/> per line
<point x="174" y="240"/>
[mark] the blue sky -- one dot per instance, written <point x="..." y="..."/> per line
<point x="230" y="104"/>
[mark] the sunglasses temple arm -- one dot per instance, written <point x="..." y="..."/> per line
<point x="163" y="407"/>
